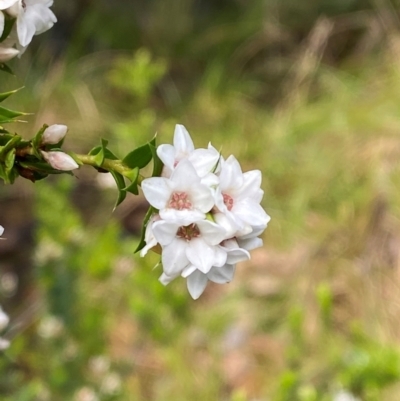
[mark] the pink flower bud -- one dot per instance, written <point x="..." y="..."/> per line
<point x="54" y="134"/>
<point x="60" y="161"/>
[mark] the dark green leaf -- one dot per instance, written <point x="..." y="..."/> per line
<point x="139" y="157"/>
<point x="11" y="144"/>
<point x="119" y="179"/>
<point x="5" y="68"/>
<point x="5" y="95"/>
<point x="7" y="114"/>
<point x="8" y="24"/>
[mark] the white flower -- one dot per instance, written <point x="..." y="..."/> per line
<point x="33" y="18"/>
<point x="238" y="198"/>
<point x="4" y="320"/>
<point x="60" y="160"/>
<point x="197" y="280"/>
<point x="194" y="245"/>
<point x="54" y="134"/>
<point x="203" y="160"/>
<point x="182" y="198"/>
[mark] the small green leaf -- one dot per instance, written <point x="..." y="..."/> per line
<point x="133" y="175"/>
<point x="11" y="144"/>
<point x="157" y="163"/>
<point x="5" y="95"/>
<point x="37" y="141"/>
<point x="9" y="164"/>
<point x="119" y="180"/>
<point x="7" y="114"/>
<point x="5" y="68"/>
<point x="8" y="24"/>
<point x="142" y="242"/>
<point x="139" y="157"/>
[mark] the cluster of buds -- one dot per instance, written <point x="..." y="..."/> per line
<point x="20" y="20"/>
<point x="206" y="213"/>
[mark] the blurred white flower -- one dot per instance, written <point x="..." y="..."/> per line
<point x="50" y="327"/>
<point x="343" y="395"/>
<point x="33" y="18"/>
<point x="60" y="160"/>
<point x="1" y="230"/>
<point x="111" y="384"/>
<point x="86" y="394"/>
<point x="54" y="134"/>
<point x="99" y="365"/>
<point x="4" y="320"/>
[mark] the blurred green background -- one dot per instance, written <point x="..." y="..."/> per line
<point x="308" y="92"/>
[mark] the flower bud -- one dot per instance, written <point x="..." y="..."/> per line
<point x="54" y="134"/>
<point x="60" y="161"/>
<point x="7" y="53"/>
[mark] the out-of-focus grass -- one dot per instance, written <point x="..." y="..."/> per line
<point x="313" y="313"/>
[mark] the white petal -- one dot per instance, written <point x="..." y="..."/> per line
<point x="165" y="280"/>
<point x="231" y="174"/>
<point x="211" y="233"/>
<point x="251" y="243"/>
<point x="25" y="29"/>
<point x="201" y="197"/>
<point x="188" y="270"/>
<point x="149" y="237"/>
<point x="202" y="255"/>
<point x="1" y="23"/>
<point x="221" y="275"/>
<point x="157" y="191"/>
<point x="250" y="212"/>
<point x="182" y="141"/>
<point x="166" y="153"/>
<point x="6" y="3"/>
<point x="1" y="230"/>
<point x="256" y="231"/>
<point x="220" y="257"/>
<point x="237" y="255"/>
<point x="182" y="217"/>
<point x="251" y="187"/>
<point x="196" y="284"/>
<point x="165" y="231"/>
<point x="227" y="221"/>
<point x="210" y="180"/>
<point x="204" y="160"/>
<point x="174" y="258"/>
<point x="184" y="176"/>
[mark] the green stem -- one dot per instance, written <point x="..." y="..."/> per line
<point x="108" y="164"/>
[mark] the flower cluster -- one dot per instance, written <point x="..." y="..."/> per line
<point x="207" y="213"/>
<point x="28" y="18"/>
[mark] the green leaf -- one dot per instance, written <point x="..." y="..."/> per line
<point x="142" y="242"/>
<point x="133" y="175"/>
<point x="119" y="180"/>
<point x="157" y="163"/>
<point x="8" y="24"/>
<point x="11" y="144"/>
<point x="9" y="164"/>
<point x="37" y="141"/>
<point x="5" y="95"/>
<point x="101" y="152"/>
<point x="5" y="68"/>
<point x="7" y="114"/>
<point x="139" y="157"/>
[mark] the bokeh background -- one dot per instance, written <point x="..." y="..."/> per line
<point x="308" y="92"/>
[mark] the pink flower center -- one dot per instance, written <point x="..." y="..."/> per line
<point x="188" y="232"/>
<point x="180" y="201"/>
<point x="228" y="200"/>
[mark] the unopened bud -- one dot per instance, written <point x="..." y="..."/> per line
<point x="54" y="134"/>
<point x="7" y="53"/>
<point x="60" y="161"/>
